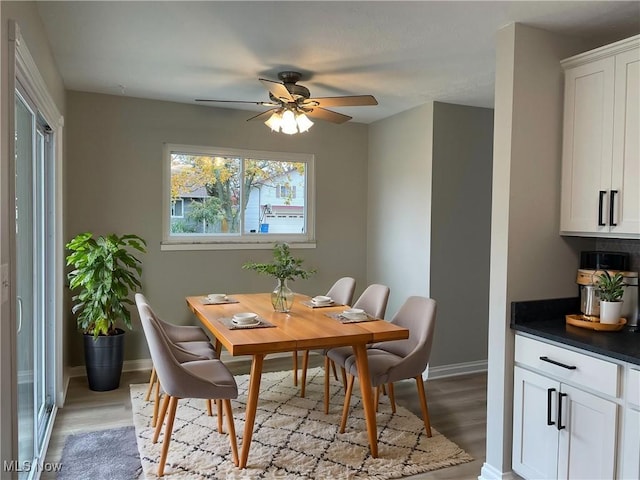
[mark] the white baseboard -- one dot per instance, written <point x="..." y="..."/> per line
<point x="434" y="372"/>
<point x="456" y="369"/>
<point x="489" y="472"/>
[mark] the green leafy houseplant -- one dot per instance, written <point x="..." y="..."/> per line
<point x="284" y="267"/>
<point x="610" y="287"/>
<point x="104" y="273"/>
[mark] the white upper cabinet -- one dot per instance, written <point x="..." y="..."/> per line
<point x="601" y="142"/>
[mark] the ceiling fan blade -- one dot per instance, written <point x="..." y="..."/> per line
<point x="265" y="104"/>
<point x="328" y="115"/>
<point x="278" y="90"/>
<point x="263" y="115"/>
<point x="348" y="101"/>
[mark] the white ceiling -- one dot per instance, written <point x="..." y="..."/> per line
<point x="403" y="53"/>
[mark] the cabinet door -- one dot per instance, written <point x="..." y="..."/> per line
<point x="630" y="468"/>
<point x="587" y="444"/>
<point x="535" y="442"/>
<point x="587" y="147"/>
<point x="626" y="144"/>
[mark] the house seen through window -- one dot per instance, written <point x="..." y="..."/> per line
<point x="226" y="195"/>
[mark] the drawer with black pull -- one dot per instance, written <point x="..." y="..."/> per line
<point x="568" y="366"/>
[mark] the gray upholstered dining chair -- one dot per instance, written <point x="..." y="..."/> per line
<point x="341" y="292"/>
<point x="204" y="379"/>
<point x="191" y="343"/>
<point x="399" y="359"/>
<point x="373" y="301"/>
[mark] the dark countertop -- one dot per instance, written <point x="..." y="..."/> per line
<point x="546" y="319"/>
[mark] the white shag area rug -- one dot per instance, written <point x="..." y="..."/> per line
<point x="293" y="438"/>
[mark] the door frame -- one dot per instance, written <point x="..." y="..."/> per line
<point x="22" y="68"/>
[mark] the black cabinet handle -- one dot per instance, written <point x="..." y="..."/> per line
<point x="600" y="205"/>
<point x="563" y="365"/>
<point x="549" y="395"/>
<point x="560" y="426"/>
<point x="612" y="196"/>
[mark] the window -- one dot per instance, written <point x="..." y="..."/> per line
<point x="177" y="208"/>
<point x="216" y="196"/>
<point x="286" y="191"/>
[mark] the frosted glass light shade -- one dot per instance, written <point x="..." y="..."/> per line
<point x="274" y="122"/>
<point x="289" y="125"/>
<point x="304" y="123"/>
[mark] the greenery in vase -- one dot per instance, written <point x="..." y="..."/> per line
<point x="104" y="273"/>
<point x="283" y="267"/>
<point x="610" y="287"/>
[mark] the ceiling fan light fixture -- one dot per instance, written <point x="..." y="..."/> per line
<point x="289" y="125"/>
<point x="303" y="122"/>
<point x="275" y="121"/>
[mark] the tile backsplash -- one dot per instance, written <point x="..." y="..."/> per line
<point x="632" y="247"/>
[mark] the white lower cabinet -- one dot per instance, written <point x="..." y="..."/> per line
<point x="630" y="466"/>
<point x="561" y="431"/>
<point x="565" y="413"/>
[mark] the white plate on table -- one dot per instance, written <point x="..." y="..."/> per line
<point x="354" y="314"/>
<point x="217" y="297"/>
<point x="322" y="300"/>
<point x="250" y="324"/>
<point x="245" y="318"/>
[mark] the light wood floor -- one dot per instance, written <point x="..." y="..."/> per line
<point x="457" y="407"/>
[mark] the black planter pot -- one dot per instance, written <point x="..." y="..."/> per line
<point x="103" y="359"/>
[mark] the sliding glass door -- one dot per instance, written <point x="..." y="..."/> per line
<point x="34" y="281"/>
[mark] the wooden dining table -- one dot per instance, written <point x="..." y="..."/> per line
<point x="302" y="328"/>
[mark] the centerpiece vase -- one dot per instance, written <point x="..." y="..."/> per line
<point x="282" y="297"/>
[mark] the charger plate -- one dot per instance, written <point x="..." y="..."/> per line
<point x="577" y="321"/>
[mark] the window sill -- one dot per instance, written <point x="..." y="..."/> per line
<point x="173" y="247"/>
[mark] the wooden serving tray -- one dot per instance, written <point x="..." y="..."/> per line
<point x="577" y="321"/>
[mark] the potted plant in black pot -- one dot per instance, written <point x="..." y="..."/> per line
<point x="105" y="272"/>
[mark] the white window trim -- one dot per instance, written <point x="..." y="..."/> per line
<point x="242" y="241"/>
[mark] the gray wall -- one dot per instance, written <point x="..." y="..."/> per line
<point x="399" y="220"/>
<point x="461" y="230"/>
<point x="429" y="219"/>
<point x="114" y="184"/>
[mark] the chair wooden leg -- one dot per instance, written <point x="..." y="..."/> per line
<point x="347" y="400"/>
<point x="152" y="380"/>
<point x="303" y="379"/>
<point x="333" y="367"/>
<point x="208" y="404"/>
<point x="423" y="405"/>
<point x="173" y="404"/>
<point x="156" y="403"/>
<point x="295" y="368"/>
<point x="219" y="405"/>
<point x="344" y="377"/>
<point x="232" y="431"/>
<point x="376" y="397"/>
<point x="392" y="397"/>
<point x="160" y="420"/>
<point x="384" y="390"/>
<point x="326" y="384"/>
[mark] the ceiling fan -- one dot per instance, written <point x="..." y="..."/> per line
<point x="288" y="96"/>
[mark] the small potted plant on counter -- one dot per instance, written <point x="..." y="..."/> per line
<point x="611" y="290"/>
<point x="284" y="267"/>
<point x="104" y="274"/>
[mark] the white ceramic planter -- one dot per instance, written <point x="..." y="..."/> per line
<point x="610" y="312"/>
